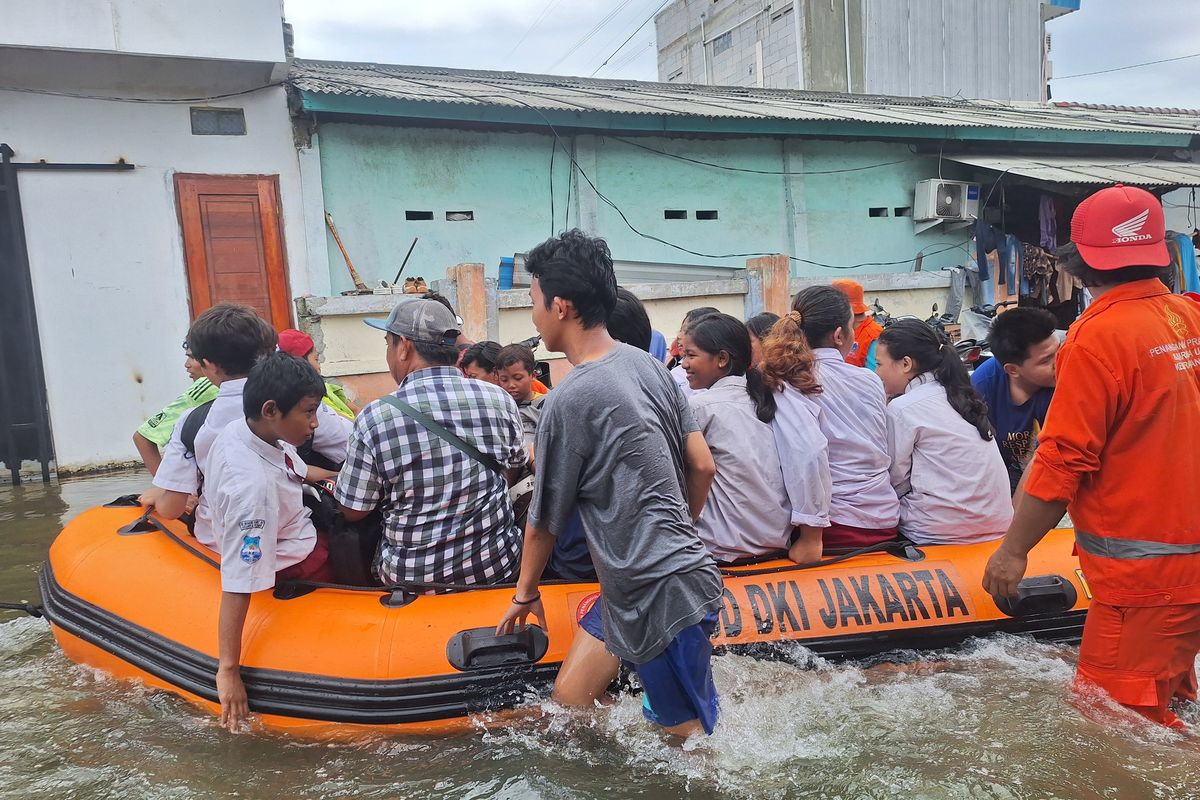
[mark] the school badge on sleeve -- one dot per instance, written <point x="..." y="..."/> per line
<point x="251" y="551"/>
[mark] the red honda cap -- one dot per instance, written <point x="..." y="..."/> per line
<point x="295" y="342"/>
<point x="1121" y="226"/>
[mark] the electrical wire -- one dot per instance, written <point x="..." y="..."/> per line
<point x="651" y="237"/>
<point x="609" y="17"/>
<point x="546" y="9"/>
<point x="761" y="171"/>
<point x="117" y="99"/>
<point x="635" y="33"/>
<point x="1128" y="66"/>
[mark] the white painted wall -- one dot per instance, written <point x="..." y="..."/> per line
<point x="106" y="250"/>
<point x="236" y="30"/>
<point x="1181" y="209"/>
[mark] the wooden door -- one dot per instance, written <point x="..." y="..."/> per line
<point x="233" y="244"/>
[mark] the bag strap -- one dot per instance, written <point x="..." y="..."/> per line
<point x="437" y="430"/>
<point x="192" y="425"/>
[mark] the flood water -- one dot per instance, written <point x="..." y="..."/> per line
<point x="989" y="720"/>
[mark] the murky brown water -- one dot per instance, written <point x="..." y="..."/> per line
<point x="991" y="719"/>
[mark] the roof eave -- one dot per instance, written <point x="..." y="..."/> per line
<point x="451" y="113"/>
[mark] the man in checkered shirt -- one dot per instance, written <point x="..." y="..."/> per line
<point x="446" y="517"/>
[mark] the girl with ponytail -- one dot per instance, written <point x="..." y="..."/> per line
<point x="946" y="465"/>
<point x="806" y="350"/>
<point x="747" y="512"/>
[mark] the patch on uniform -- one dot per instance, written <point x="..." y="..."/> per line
<point x="251" y="551"/>
<point x="252" y="524"/>
<point x="585" y="605"/>
<point x="155" y="421"/>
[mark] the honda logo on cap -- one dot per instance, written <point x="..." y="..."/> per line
<point x="1131" y="229"/>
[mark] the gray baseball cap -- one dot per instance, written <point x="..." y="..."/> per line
<point x="419" y="320"/>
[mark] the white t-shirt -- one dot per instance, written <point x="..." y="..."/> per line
<point x="179" y="473"/>
<point x="953" y="484"/>
<point x="255" y="492"/>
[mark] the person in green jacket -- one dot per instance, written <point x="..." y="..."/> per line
<point x="301" y="345"/>
<point x="155" y="432"/>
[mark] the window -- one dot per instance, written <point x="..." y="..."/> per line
<point x="878" y="211"/>
<point x="722" y="43"/>
<point x="672" y="213"/>
<point x="706" y="215"/>
<point x="460" y="216"/>
<point x="218" y="122"/>
<point x="412" y="216"/>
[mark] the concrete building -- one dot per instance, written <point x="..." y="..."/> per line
<point x="150" y="172"/>
<point x="994" y="49"/>
<point x="686" y="183"/>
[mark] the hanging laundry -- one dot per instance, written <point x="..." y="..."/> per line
<point x="1012" y="263"/>
<point x="988" y="239"/>
<point x="1047" y="223"/>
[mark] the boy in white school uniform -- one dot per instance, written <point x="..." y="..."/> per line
<point x="226" y="340"/>
<point x="254" y="485"/>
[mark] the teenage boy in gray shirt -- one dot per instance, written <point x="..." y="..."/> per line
<point x="617" y="440"/>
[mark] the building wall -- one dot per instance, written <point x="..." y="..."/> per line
<point x="241" y="30"/>
<point x="106" y="251"/>
<point x="973" y="48"/>
<point x="373" y="175"/>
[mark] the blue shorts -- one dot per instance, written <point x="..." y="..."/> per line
<point x="677" y="683"/>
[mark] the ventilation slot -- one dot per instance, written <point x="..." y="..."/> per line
<point x="877" y="211"/>
<point x="672" y="213"/>
<point x="416" y="216"/>
<point x="460" y="216"/>
<point x="706" y="215"/>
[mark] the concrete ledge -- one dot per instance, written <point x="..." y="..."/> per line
<point x="349" y="305"/>
<point x="881" y="281"/>
<point x="519" y="298"/>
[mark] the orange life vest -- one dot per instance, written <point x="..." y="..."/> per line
<point x="1120" y="445"/>
<point x="864" y="336"/>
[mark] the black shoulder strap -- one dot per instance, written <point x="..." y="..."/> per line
<point x="191" y="426"/>
<point x="437" y="430"/>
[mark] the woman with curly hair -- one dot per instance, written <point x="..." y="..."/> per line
<point x="806" y="350"/>
<point x="946" y="465"/>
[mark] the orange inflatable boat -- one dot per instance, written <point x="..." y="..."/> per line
<point x="138" y="598"/>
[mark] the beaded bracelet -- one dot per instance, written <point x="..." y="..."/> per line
<point x="530" y="601"/>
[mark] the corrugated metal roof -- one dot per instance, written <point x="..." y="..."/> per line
<point x="1068" y="169"/>
<point x="517" y="90"/>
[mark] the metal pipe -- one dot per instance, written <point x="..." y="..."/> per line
<point x="846" y="29"/>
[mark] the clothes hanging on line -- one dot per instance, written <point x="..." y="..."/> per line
<point x="1186" y="263"/>
<point x="1047" y="223"/>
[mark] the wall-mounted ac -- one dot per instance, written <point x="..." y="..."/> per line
<point x="949" y="200"/>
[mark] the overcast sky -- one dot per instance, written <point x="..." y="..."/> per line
<point x="576" y="37"/>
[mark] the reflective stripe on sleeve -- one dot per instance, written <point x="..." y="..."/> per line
<point x="1131" y="549"/>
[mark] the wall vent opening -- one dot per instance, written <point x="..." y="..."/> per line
<point x="674" y="213"/>
<point x="460" y="216"/>
<point x="877" y="211"/>
<point x="416" y="216"/>
<point x="706" y="214"/>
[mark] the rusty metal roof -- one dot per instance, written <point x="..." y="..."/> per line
<point x="557" y="93"/>
<point x="1069" y="169"/>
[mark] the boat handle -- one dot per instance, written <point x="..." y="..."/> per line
<point x="1040" y="594"/>
<point x="481" y="648"/>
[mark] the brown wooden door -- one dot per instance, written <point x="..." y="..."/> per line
<point x="233" y="244"/>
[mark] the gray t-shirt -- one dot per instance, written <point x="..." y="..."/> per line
<point x="611" y="441"/>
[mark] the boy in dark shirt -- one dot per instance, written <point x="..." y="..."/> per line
<point x="1018" y="382"/>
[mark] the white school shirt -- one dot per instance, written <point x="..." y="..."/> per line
<point x="803" y="456"/>
<point x="681" y="380"/>
<point x="747" y="512"/>
<point x="178" y="473"/>
<point x="255" y="491"/>
<point x="953" y="484"/>
<point x="332" y="435"/>
<point x="854" y="420"/>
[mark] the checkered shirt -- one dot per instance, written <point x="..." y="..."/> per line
<point x="446" y="517"/>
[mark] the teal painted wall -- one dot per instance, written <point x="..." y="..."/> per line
<point x="373" y="174"/>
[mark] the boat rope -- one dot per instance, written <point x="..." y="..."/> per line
<point x="31" y="609"/>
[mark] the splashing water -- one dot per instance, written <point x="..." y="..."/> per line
<point x="991" y="719"/>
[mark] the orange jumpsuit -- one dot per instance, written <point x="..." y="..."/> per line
<point x="864" y="336"/>
<point x="1121" y="445"/>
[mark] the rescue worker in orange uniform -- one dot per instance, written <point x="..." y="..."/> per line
<point x="1119" y="449"/>
<point x="866" y="329"/>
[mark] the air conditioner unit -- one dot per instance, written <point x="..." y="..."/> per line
<point x="937" y="199"/>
